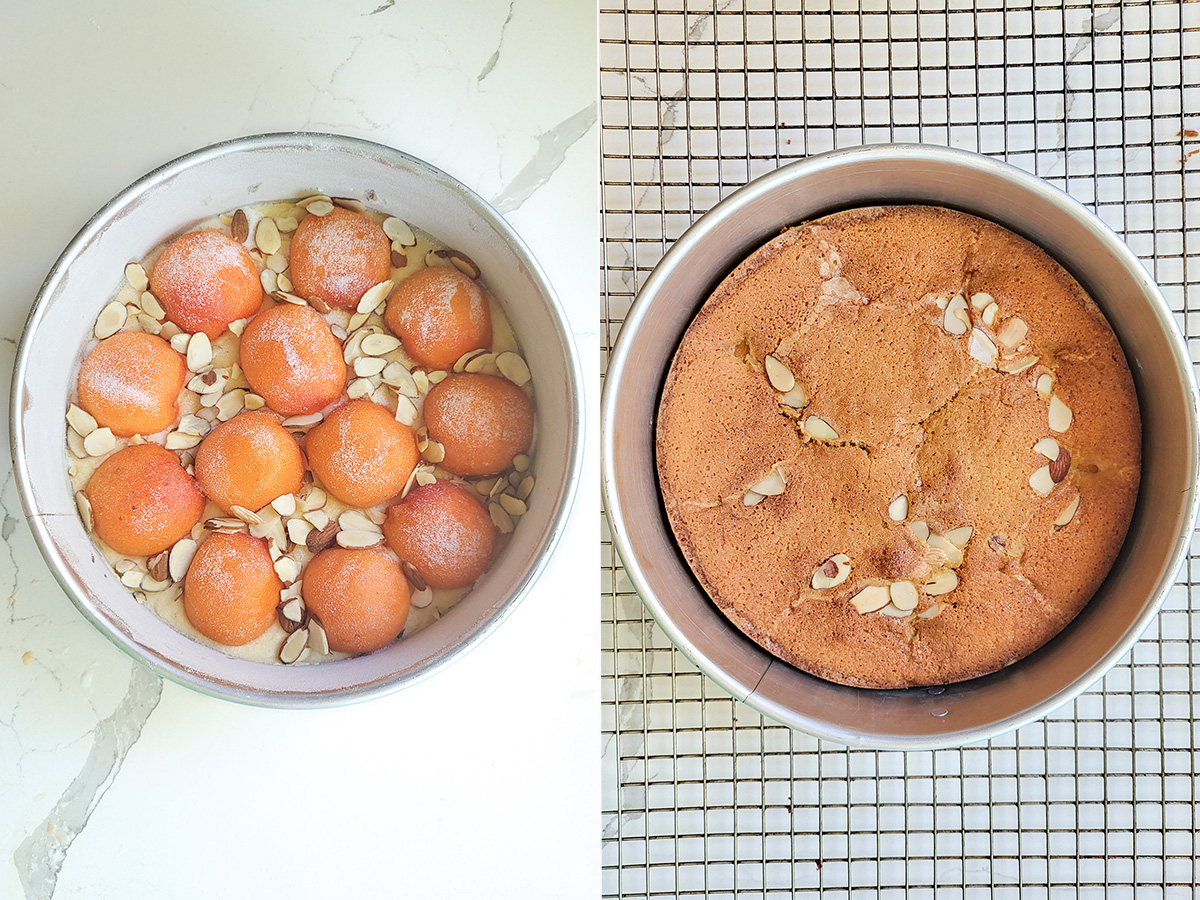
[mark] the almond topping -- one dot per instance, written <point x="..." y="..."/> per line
<point x="379" y="344"/>
<point x="287" y="569"/>
<point x="931" y="613"/>
<point x="941" y="546"/>
<point x="1012" y="332"/>
<point x="180" y="558"/>
<point x="982" y="348"/>
<point x="960" y="536"/>
<point x="1020" y="364"/>
<point x="399" y="231"/>
<point x="295" y="645"/>
<point x="894" y="611"/>
<point x="318" y="641"/>
<point x="80" y="420"/>
<point x="199" y="352"/>
<point x="1041" y="482"/>
<point x="1067" y="514"/>
<point x="779" y="375"/>
<point x="982" y="300"/>
<point x="500" y="518"/>
<point x="1061" y="466"/>
<point x="298" y="530"/>
<point x="795" y="398"/>
<point x="240" y="226"/>
<point x="818" y="429"/>
<point x="357" y="540"/>
<point x="136" y="276"/>
<point x="320" y="540"/>
<point x="111" y="320"/>
<point x="513" y="367"/>
<point x="84" y="505"/>
<point x="989" y="314"/>
<point x="831" y="573"/>
<point x="898" y="509"/>
<point x="1044" y="385"/>
<point x="374" y="297"/>
<point x="284" y="504"/>
<point x="956" y="320"/>
<point x="100" y="442"/>
<point x="770" y="486"/>
<point x="1047" y="447"/>
<point x="920" y="530"/>
<point x="942" y="582"/>
<point x="871" y="599"/>
<point x="249" y="516"/>
<point x="1060" y="415"/>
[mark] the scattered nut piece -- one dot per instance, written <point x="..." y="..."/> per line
<point x="374" y="297"/>
<point x="920" y="530"/>
<point x="513" y="367"/>
<point x="284" y="504"/>
<point x="500" y="518"/>
<point x="322" y="539"/>
<point x="151" y="307"/>
<point x="1061" y="465"/>
<point x="421" y="598"/>
<point x="982" y="348"/>
<point x="960" y="536"/>
<point x="133" y="578"/>
<point x="818" y="429"/>
<point x="80" y="420"/>
<point x="136" y="276"/>
<point x="1044" y="385"/>
<point x="1041" y="482"/>
<point x="199" y="352"/>
<point x="358" y="540"/>
<point x="898" y="509"/>
<point x="100" y="442"/>
<point x="942" y="582"/>
<point x="111" y="320"/>
<point x="871" y="599"/>
<point x="180" y="558"/>
<point x="1012" y="332"/>
<point x="982" y="300"/>
<point x="1060" y="415"/>
<point x="254" y="401"/>
<point x="301" y="422"/>
<point x="1068" y="514"/>
<point x="940" y="545"/>
<point x="413" y="576"/>
<point x="956" y="320"/>
<point x="379" y="344"/>
<point x="989" y="314"/>
<point x="287" y="569"/>
<point x="298" y="530"/>
<point x="434" y="452"/>
<point x="318" y="642"/>
<point x="831" y="573"/>
<point x="85" y="509"/>
<point x="525" y="488"/>
<point x="296" y="643"/>
<point x="320" y="207"/>
<point x="1047" y="447"/>
<point x="239" y="226"/>
<point x="1020" y="364"/>
<point x="779" y="375"/>
<point x="353" y="520"/>
<point x="292" y="610"/>
<point x="932" y="612"/>
<point x="795" y="398"/>
<point x="512" y="505"/>
<point x="368" y="366"/>
<point x="771" y="485"/>
<point x="399" y="231"/>
<point x="224" y="525"/>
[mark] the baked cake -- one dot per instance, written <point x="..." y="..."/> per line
<point x="899" y="446"/>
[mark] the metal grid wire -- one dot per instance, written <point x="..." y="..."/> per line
<point x="702" y="795"/>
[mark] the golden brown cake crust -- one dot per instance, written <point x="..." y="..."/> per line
<point x="860" y="308"/>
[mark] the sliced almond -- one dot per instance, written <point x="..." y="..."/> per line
<point x="318" y="641"/>
<point x="1065" y="517"/>
<point x="287" y="569"/>
<point x="424" y="476"/>
<point x="224" y="524"/>
<point x="981" y="347"/>
<point x="100" y="442"/>
<point x="871" y="599"/>
<point x="982" y="300"/>
<point x="941" y="545"/>
<point x="111" y="320"/>
<point x="414" y="577"/>
<point x="512" y="505"/>
<point x="239" y="226"/>
<point x="1041" y="482"/>
<point x="318" y="206"/>
<point x="357" y="540"/>
<point x="295" y="645"/>
<point x="399" y="257"/>
<point x="818" y="429"/>
<point x="956" y="320"/>
<point x="179" y="343"/>
<point x="353" y="520"/>
<point x="960" y="536"/>
<point x="779" y="375"/>
<point x="932" y="612"/>
<point x="314" y="499"/>
<point x="181" y="440"/>
<point x="133" y="578"/>
<point x="1020" y="364"/>
<point x="421" y="598"/>
<point x="180" y="558"/>
<point x="292" y="610"/>
<point x="368" y="366"/>
<point x="1059" y="415"/>
<point x="434" y="452"/>
<point x="85" y="509"/>
<point x="942" y="582"/>
<point x="136" y="276"/>
<point x="379" y="344"/>
<point x="989" y="314"/>
<point x="80" y="420"/>
<point x="406" y="411"/>
<point x="1012" y="332"/>
<point x="898" y="509"/>
<point x="148" y="324"/>
<point x="460" y="365"/>
<point x="374" y="297"/>
<point x="399" y="231"/>
<point x="266" y="236"/>
<point x="231" y="404"/>
<point x="894" y="611"/>
<point x="193" y="425"/>
<point x="276" y="263"/>
<point x="151" y="307"/>
<point x="831" y="573"/>
<point x="513" y="367"/>
<point x="1047" y="447"/>
<point x="302" y="422"/>
<point x="500" y="518"/>
<point x="771" y="485"/>
<point x="795" y="398"/>
<point x="199" y="352"/>
<point x="1044" y="385"/>
<point x="254" y="401"/>
<point x="525" y="488"/>
<point x="1061" y="465"/>
<point x="284" y="504"/>
<point x="298" y="530"/>
<point x="920" y="530"/>
<point x="462" y="262"/>
<point x="750" y="498"/>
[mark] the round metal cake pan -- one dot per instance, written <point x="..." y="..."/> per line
<point x="196" y="187"/>
<point x="1162" y="523"/>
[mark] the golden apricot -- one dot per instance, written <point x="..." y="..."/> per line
<point x="443" y="532"/>
<point x="360" y="597"/>
<point x="292" y="360"/>
<point x="130" y="383"/>
<point x="231" y="589"/>
<point x="142" y="500"/>
<point x="249" y="461"/>
<point x="205" y="280"/>
<point x="439" y="314"/>
<point x="483" y="421"/>
<point x="338" y="257"/>
<point x="362" y="455"/>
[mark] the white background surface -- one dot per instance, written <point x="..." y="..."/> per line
<point x="479" y="782"/>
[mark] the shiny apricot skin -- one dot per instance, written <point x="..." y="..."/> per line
<point x="292" y="360"/>
<point x="338" y="257"/>
<point x="142" y="500"/>
<point x="443" y="532"/>
<point x="360" y="597"/>
<point x="439" y="314"/>
<point x="130" y="383"/>
<point x="483" y="421"/>
<point x="362" y="455"/>
<point x="231" y="589"/>
<point x="249" y="461"/>
<point x="205" y="280"/>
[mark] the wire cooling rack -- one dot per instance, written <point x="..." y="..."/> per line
<point x="702" y="795"/>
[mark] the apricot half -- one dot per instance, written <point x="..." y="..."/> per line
<point x="338" y="257"/>
<point x="292" y="360"/>
<point x="362" y="455"/>
<point x="249" y="461"/>
<point x="130" y="383"/>
<point x="443" y="532"/>
<point x="360" y="596"/>
<point x="439" y="314"/>
<point x="231" y="589"/>
<point x="483" y="421"/>
<point x="142" y="500"/>
<point x="205" y="280"/>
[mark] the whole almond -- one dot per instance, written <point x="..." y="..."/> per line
<point x="240" y="226"/>
<point x="1061" y="465"/>
<point x="323" y="539"/>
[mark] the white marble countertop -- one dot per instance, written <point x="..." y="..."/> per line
<point x="478" y="782"/>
